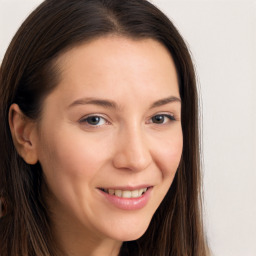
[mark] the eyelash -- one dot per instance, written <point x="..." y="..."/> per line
<point x="170" y="118"/>
<point x="85" y="120"/>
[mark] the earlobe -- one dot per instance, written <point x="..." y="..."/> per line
<point x="23" y="130"/>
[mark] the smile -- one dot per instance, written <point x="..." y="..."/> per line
<point x="125" y="193"/>
<point x="127" y="198"/>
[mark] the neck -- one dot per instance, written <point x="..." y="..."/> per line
<point x="88" y="247"/>
<point x="75" y="240"/>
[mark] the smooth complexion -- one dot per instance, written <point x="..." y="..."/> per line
<point x="113" y="122"/>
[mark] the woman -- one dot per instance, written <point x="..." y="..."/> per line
<point x="100" y="134"/>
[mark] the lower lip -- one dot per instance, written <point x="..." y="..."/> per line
<point x="128" y="203"/>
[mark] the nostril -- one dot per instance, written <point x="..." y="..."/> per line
<point x="129" y="162"/>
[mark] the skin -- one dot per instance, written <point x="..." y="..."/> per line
<point x="126" y="148"/>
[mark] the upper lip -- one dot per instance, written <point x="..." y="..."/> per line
<point x="129" y="188"/>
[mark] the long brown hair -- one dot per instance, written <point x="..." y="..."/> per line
<point x="28" y="73"/>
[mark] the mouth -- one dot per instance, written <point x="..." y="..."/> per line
<point x="127" y="198"/>
<point x="136" y="193"/>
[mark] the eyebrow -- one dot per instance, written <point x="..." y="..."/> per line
<point x="94" y="101"/>
<point x="111" y="104"/>
<point x="165" y="101"/>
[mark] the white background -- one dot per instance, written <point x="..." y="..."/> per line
<point x="222" y="38"/>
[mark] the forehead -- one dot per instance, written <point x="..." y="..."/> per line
<point x="117" y="66"/>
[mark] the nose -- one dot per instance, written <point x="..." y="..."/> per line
<point x="132" y="151"/>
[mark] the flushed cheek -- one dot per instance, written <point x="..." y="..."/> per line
<point x="76" y="155"/>
<point x="169" y="156"/>
<point x="169" y="159"/>
<point x="67" y="163"/>
<point x="73" y="172"/>
<point x="70" y="176"/>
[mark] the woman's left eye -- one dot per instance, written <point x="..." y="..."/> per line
<point x="94" y="120"/>
<point x="162" y="118"/>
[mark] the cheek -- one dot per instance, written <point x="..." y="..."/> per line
<point x="70" y="154"/>
<point x="170" y="155"/>
<point x="71" y="166"/>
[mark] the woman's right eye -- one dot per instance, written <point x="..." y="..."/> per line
<point x="94" y="120"/>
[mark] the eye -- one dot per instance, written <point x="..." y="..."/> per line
<point x="94" y="120"/>
<point x="162" y="118"/>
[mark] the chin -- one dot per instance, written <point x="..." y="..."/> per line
<point x="134" y="237"/>
<point x="129" y="234"/>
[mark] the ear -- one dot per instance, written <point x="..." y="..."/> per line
<point x="23" y="131"/>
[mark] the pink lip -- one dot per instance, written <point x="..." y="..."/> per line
<point x="128" y="203"/>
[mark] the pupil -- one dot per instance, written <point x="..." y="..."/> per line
<point x="158" y="119"/>
<point x="94" y="120"/>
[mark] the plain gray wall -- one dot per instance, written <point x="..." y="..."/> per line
<point x="222" y="38"/>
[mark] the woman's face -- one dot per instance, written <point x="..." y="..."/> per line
<point x="110" y="138"/>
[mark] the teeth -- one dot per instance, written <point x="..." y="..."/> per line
<point x="118" y="193"/>
<point x="126" y="193"/>
<point x="135" y="193"/>
<point x="141" y="191"/>
<point x="111" y="191"/>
